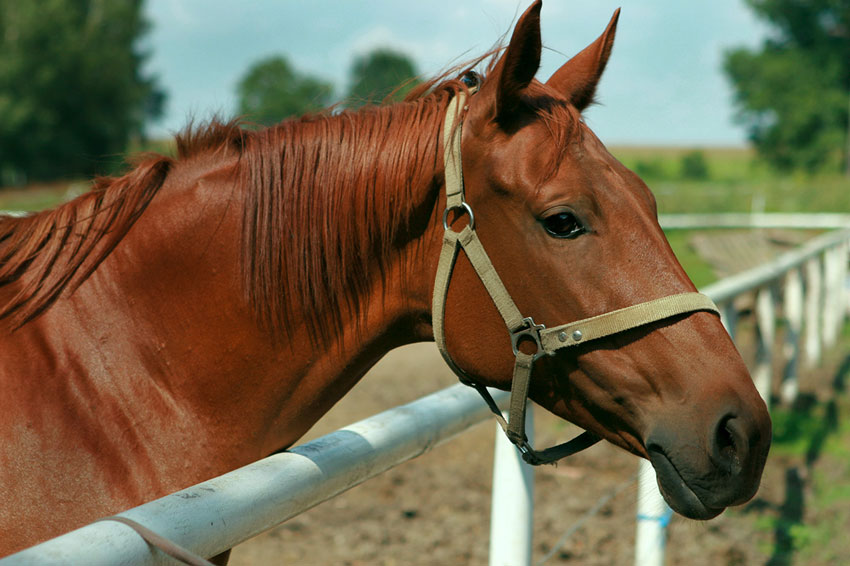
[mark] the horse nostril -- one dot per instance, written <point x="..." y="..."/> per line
<point x="730" y="448"/>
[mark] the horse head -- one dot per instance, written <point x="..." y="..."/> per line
<point x="573" y="234"/>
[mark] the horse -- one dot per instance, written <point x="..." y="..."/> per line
<point x="204" y="310"/>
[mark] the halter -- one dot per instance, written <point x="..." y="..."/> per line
<point x="520" y="328"/>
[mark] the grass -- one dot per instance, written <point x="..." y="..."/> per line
<point x="41" y="196"/>
<point x="811" y="525"/>
<point x="699" y="270"/>
<point x="736" y="181"/>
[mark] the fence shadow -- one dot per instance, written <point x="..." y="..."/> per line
<point x="791" y="513"/>
<point x="839" y="384"/>
<point x="809" y="422"/>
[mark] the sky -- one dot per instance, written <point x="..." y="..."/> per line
<point x="664" y="84"/>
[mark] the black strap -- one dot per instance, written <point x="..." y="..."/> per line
<point x="529" y="455"/>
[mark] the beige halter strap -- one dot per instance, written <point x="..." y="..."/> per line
<point x="520" y="328"/>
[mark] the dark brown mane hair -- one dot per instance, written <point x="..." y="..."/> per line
<point x="327" y="197"/>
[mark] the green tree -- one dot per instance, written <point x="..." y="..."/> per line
<point x="694" y="166"/>
<point x="377" y="75"/>
<point x="793" y="92"/>
<point x="71" y="85"/>
<point x="272" y="90"/>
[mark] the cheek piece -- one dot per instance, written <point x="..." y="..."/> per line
<point x="523" y="329"/>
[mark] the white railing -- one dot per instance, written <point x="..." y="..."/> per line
<point x="218" y="514"/>
<point x="818" y="220"/>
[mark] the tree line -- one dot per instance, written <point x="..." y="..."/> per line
<point x="793" y="93"/>
<point x="73" y="94"/>
<point x="71" y="86"/>
<point x="273" y="90"/>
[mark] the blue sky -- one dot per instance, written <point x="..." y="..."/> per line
<point x="663" y="86"/>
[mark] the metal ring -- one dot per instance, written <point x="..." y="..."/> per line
<point x="532" y="331"/>
<point x="463" y="205"/>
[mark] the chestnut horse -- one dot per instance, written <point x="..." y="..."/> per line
<point x="204" y="311"/>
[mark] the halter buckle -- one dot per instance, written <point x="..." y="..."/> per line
<point x="529" y="456"/>
<point x="532" y="331"/>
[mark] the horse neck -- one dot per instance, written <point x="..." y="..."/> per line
<point x="352" y="233"/>
<point x="353" y="242"/>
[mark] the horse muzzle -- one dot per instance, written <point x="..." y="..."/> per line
<point x="700" y="479"/>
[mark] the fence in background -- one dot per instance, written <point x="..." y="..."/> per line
<point x="806" y="289"/>
<point x="806" y="284"/>
<point x="816" y="221"/>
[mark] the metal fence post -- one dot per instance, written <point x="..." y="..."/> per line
<point x="793" y="311"/>
<point x="766" y="331"/>
<point x="832" y="304"/>
<point x="844" y="270"/>
<point x="845" y="290"/>
<point x="653" y="516"/>
<point x="813" y="311"/>
<point x="512" y="510"/>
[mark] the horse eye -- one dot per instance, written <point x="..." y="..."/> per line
<point x="563" y="225"/>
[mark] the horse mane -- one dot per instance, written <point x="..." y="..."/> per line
<point x="327" y="198"/>
<point x="330" y="196"/>
<point x="58" y="249"/>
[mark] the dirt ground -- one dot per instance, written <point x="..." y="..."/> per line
<point x="435" y="509"/>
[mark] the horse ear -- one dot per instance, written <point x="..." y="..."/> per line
<point x="519" y="64"/>
<point x="578" y="77"/>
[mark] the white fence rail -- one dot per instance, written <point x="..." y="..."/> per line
<point x="819" y="220"/>
<point x="807" y="285"/>
<point x="218" y="514"/>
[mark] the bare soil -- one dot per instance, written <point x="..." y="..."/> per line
<point x="435" y="509"/>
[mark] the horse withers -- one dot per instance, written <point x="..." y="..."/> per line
<point x="204" y="311"/>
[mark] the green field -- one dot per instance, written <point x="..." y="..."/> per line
<point x="735" y="181"/>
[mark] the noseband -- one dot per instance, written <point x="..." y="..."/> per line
<point x="547" y="340"/>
